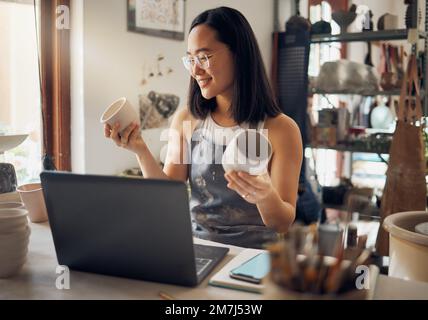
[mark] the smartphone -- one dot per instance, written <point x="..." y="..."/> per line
<point x="253" y="270"/>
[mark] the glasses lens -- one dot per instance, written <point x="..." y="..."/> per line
<point x="204" y="62"/>
<point x="186" y="62"/>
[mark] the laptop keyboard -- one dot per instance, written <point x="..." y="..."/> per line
<point x="201" y="264"/>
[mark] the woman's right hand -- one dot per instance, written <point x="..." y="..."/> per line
<point x="130" y="138"/>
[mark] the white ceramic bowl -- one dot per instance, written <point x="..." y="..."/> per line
<point x="11" y="205"/>
<point x="19" y="236"/>
<point x="12" y="238"/>
<point x="11" y="141"/>
<point x="7" y="255"/>
<point x="14" y="250"/>
<point x="10" y="197"/>
<point x="11" y="219"/>
<point x="12" y="213"/>
<point x="13" y="226"/>
<point x="249" y="151"/>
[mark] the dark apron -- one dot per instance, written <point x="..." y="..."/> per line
<point x="219" y="213"/>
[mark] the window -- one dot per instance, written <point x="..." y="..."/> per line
<point x="19" y="87"/>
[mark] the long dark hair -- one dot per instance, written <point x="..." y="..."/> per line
<point x="253" y="98"/>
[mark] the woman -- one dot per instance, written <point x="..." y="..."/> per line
<point x="228" y="90"/>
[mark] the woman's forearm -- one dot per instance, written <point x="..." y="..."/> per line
<point x="149" y="166"/>
<point x="276" y="213"/>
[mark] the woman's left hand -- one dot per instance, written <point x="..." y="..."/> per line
<point x="253" y="189"/>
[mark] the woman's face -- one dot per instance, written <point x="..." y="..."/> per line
<point x="217" y="79"/>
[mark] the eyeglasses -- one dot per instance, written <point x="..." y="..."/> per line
<point x="203" y="61"/>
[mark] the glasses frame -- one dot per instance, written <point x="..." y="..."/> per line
<point x="189" y="67"/>
<point x="203" y="65"/>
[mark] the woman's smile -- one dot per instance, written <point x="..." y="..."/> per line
<point x="204" y="82"/>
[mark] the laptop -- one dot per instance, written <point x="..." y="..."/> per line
<point x="126" y="227"/>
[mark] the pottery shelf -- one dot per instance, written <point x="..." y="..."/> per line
<point x="368" y="94"/>
<point x="352" y="148"/>
<point x="383" y="35"/>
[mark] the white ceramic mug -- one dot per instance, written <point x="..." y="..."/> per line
<point x="33" y="199"/>
<point x="249" y="151"/>
<point x="120" y="111"/>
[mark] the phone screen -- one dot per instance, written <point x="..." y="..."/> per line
<point x="253" y="270"/>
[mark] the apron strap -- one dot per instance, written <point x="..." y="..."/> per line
<point x="253" y="126"/>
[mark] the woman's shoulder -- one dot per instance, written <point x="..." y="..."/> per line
<point x="183" y="115"/>
<point x="281" y="124"/>
<point x="284" y="133"/>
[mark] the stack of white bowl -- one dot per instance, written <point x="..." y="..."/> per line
<point x="14" y="238"/>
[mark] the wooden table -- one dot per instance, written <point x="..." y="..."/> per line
<point x="38" y="276"/>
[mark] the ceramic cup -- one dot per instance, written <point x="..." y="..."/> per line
<point x="120" y="111"/>
<point x="248" y="151"/>
<point x="32" y="197"/>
